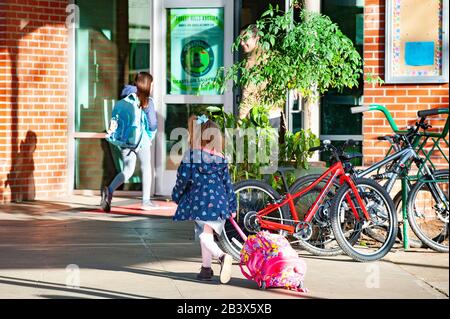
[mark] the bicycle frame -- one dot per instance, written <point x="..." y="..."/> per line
<point x="335" y="171"/>
<point x="403" y="156"/>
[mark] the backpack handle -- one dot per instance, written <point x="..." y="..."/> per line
<point x="238" y="229"/>
<point x="245" y="273"/>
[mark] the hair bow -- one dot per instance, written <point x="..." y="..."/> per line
<point x="202" y="119"/>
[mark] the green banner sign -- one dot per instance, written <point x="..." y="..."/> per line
<point x="196" y="49"/>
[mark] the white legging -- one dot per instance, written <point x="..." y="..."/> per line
<point x="209" y="247"/>
<point x="129" y="165"/>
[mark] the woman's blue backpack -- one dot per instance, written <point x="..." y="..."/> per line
<point x="124" y="126"/>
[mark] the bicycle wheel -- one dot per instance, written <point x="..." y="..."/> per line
<point x="322" y="241"/>
<point x="347" y="228"/>
<point x="413" y="240"/>
<point x="429" y="213"/>
<point x="252" y="196"/>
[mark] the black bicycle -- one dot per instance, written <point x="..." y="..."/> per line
<point x="424" y="196"/>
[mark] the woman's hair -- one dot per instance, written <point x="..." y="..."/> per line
<point x="205" y="135"/>
<point x="143" y="82"/>
<point x="250" y="27"/>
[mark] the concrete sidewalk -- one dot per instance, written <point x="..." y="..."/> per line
<point x="70" y="249"/>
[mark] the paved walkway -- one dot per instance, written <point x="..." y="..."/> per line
<point x="70" y="249"/>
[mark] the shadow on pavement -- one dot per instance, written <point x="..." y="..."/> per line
<point x="35" y="208"/>
<point x="235" y="282"/>
<point x="343" y="258"/>
<point x="94" y="292"/>
<point x="124" y="208"/>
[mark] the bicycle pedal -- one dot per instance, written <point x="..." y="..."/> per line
<point x="303" y="231"/>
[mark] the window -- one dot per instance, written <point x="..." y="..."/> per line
<point x="335" y="106"/>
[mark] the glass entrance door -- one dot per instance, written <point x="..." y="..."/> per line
<point x="193" y="43"/>
<point x="112" y="45"/>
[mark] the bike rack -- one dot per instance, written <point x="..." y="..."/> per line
<point x="419" y="145"/>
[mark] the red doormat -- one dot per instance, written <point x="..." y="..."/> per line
<point x="167" y="209"/>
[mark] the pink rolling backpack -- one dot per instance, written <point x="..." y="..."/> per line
<point x="272" y="262"/>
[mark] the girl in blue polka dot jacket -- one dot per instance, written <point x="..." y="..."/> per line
<point x="204" y="192"/>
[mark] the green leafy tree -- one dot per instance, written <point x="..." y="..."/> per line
<point x="309" y="56"/>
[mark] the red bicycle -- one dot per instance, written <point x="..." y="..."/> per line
<point x="321" y="215"/>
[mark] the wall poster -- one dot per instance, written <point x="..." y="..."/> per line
<point x="416" y="41"/>
<point x="196" y="49"/>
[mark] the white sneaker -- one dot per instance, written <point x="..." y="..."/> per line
<point x="150" y="206"/>
<point x="226" y="262"/>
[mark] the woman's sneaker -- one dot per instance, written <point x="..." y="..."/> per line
<point x="225" y="268"/>
<point x="205" y="274"/>
<point x="106" y="199"/>
<point x="149" y="206"/>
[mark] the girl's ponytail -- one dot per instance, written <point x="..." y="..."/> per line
<point x="143" y="84"/>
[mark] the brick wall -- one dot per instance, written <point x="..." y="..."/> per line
<point x="33" y="99"/>
<point x="402" y="100"/>
<point x="34" y="89"/>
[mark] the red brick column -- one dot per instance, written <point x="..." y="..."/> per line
<point x="33" y="99"/>
<point x="402" y="100"/>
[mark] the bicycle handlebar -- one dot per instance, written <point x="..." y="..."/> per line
<point x="359" y="109"/>
<point x="315" y="149"/>
<point x="387" y="114"/>
<point x="394" y="140"/>
<point x="384" y="138"/>
<point x="381" y="108"/>
<point x="431" y="112"/>
<point x="328" y="146"/>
